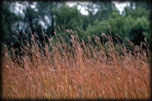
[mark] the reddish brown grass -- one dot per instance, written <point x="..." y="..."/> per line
<point x="87" y="73"/>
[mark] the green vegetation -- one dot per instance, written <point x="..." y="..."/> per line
<point x="133" y="23"/>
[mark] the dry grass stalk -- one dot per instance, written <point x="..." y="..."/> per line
<point x="79" y="71"/>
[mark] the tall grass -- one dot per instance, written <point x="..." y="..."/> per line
<point x="81" y="70"/>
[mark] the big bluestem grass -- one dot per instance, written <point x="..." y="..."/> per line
<point x="79" y="70"/>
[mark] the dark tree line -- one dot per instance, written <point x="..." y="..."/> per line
<point x="133" y="23"/>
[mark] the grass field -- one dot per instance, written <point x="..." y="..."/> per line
<point x="77" y="71"/>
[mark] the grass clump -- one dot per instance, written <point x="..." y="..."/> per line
<point x="79" y="70"/>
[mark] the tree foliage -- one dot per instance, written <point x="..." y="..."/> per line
<point x="57" y="17"/>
